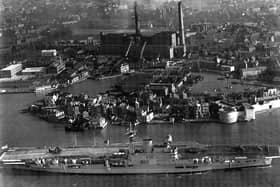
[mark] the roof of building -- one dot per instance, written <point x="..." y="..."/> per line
<point x="48" y="51"/>
<point x="10" y="67"/>
<point x="254" y="68"/>
<point x="33" y="70"/>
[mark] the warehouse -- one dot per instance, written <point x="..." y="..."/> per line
<point x="10" y="71"/>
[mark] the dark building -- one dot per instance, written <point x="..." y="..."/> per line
<point x="56" y="67"/>
<point x="166" y="44"/>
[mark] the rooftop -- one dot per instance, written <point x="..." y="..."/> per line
<point x="33" y="69"/>
<point x="10" y="67"/>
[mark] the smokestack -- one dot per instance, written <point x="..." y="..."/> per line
<point x="181" y="24"/>
<point x="137" y="25"/>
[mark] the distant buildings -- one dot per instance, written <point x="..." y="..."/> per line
<point x="200" y="5"/>
<point x="163" y="44"/>
<point x="166" y="44"/>
<point x="200" y="27"/>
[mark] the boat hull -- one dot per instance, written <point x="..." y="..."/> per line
<point x="168" y="169"/>
<point x="145" y="159"/>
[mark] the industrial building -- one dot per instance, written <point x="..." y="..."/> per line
<point x="166" y="44"/>
<point x="56" y="67"/>
<point x="10" y="71"/>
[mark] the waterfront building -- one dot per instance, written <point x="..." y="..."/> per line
<point x="10" y="71"/>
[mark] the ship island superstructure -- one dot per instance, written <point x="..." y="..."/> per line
<point x="139" y="158"/>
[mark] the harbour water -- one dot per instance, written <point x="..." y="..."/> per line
<point x="19" y="129"/>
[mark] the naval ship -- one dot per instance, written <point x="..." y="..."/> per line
<point x="138" y="158"/>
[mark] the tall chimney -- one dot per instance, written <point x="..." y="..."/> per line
<point x="181" y="24"/>
<point x="137" y="25"/>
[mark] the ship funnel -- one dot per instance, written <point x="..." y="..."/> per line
<point x="148" y="145"/>
<point x="136" y="19"/>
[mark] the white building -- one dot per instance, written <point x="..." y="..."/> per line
<point x="10" y="71"/>
<point x="124" y="68"/>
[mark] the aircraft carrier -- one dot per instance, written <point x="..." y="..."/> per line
<point x="139" y="158"/>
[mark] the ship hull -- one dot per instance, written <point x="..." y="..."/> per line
<point x="105" y="171"/>
<point x="151" y="169"/>
<point x="145" y="159"/>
